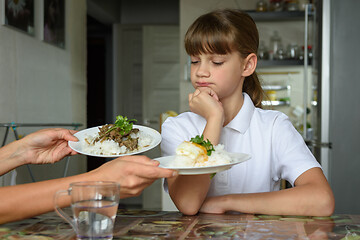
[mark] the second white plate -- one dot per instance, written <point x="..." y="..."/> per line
<point x="165" y="162"/>
<point x="81" y="135"/>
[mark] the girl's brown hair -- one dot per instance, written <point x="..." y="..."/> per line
<point x="224" y="31"/>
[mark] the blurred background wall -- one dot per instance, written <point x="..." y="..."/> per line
<point x="43" y="83"/>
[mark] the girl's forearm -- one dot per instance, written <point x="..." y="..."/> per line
<point x="212" y="129"/>
<point x="300" y="200"/>
<point x="189" y="192"/>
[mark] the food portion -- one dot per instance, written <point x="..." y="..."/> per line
<point x="115" y="139"/>
<point x="200" y="153"/>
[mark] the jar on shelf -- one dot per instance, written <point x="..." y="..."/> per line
<point x="310" y="53"/>
<point x="263" y="52"/>
<point x="292" y="51"/>
<point x="280" y="53"/>
<point x="302" y="4"/>
<point x="301" y="53"/>
<point x="291" y="5"/>
<point x="261" y="6"/>
<point x="276" y="5"/>
<point x="275" y="42"/>
<point x="271" y="94"/>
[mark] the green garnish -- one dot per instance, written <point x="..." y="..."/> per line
<point x="206" y="144"/>
<point x="123" y="125"/>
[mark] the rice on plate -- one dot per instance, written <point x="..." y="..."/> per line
<point x="115" y="140"/>
<point x="192" y="157"/>
<point x="201" y="153"/>
<point x="110" y="147"/>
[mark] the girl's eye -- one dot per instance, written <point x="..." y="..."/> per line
<point x="218" y="63"/>
<point x="194" y="62"/>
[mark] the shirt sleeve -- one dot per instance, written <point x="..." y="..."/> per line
<point x="170" y="137"/>
<point x="293" y="157"/>
<point x="177" y="129"/>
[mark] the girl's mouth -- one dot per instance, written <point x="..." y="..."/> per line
<point x="203" y="84"/>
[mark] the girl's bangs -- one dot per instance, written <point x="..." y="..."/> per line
<point x="208" y="43"/>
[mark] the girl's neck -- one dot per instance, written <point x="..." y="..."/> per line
<point x="232" y="107"/>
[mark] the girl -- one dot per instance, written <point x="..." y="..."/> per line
<point x="226" y="108"/>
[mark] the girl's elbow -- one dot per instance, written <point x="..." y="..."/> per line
<point x="330" y="207"/>
<point x="188" y="209"/>
<point x="189" y="212"/>
<point x="327" y="204"/>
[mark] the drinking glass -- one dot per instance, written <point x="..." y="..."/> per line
<point x="94" y="205"/>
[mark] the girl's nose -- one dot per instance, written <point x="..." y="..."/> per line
<point x="203" y="71"/>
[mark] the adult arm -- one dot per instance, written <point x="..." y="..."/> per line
<point x="41" y="147"/>
<point x="133" y="173"/>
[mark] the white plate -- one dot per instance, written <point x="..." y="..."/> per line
<point x="76" y="146"/>
<point x="165" y="162"/>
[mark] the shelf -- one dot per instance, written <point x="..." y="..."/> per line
<point x="275" y="87"/>
<point x="276" y="103"/>
<point x="278" y="16"/>
<point x="286" y="62"/>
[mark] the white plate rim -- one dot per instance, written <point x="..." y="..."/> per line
<point x="76" y="146"/>
<point x="241" y="157"/>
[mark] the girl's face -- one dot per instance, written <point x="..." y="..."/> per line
<point x="222" y="73"/>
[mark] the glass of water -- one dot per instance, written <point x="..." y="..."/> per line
<point x="94" y="206"/>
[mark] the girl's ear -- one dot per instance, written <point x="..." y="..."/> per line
<point x="250" y="64"/>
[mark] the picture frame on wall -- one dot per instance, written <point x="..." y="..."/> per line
<point x="19" y="15"/>
<point x="54" y="22"/>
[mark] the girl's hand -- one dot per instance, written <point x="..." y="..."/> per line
<point x="205" y="102"/>
<point x="213" y="205"/>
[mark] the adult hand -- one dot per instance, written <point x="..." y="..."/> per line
<point x="205" y="102"/>
<point x="133" y="173"/>
<point x="46" y="146"/>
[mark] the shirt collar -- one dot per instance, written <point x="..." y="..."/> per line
<point x="241" y="122"/>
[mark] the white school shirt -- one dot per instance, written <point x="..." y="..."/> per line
<point x="276" y="148"/>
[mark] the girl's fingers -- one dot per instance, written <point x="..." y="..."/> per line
<point x="194" y="94"/>
<point x="190" y="96"/>
<point x="211" y="93"/>
<point x="214" y="95"/>
<point x="197" y="92"/>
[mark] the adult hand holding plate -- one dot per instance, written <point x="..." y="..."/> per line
<point x="115" y="140"/>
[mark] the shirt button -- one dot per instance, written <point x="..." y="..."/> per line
<point x="222" y="178"/>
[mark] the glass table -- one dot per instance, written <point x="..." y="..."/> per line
<point x="146" y="224"/>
